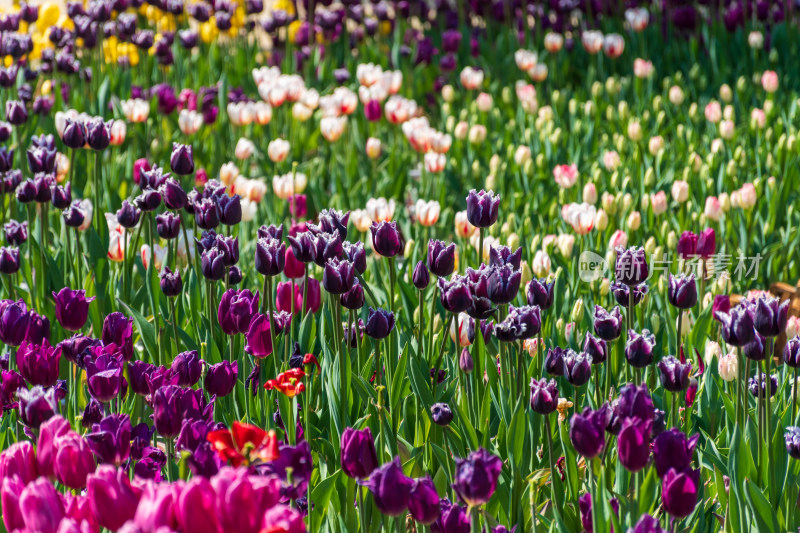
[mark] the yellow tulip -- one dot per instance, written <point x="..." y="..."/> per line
<point x="49" y="14"/>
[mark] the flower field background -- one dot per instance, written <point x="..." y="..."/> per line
<point x="399" y="266"/>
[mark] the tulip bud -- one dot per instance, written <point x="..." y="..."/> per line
<point x="577" y="310"/>
<point x="601" y="220"/>
<point x="465" y="362"/>
<point x="605" y="286"/>
<point x="655" y="324"/>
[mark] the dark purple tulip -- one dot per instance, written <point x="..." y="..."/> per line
<point x="181" y="161"/>
<point x="229" y="209"/>
<point x="14" y="322"/>
<point x="423" y="501"/>
<point x="482" y="208"/>
<point x="502" y="255"/>
<point x="128" y="215"/>
<point x="26" y="191"/>
<point x="540" y="293"/>
<point x="554" y="361"/>
<point x="791" y="352"/>
<point x="737" y="326"/>
<point x="595" y="348"/>
<point x="451" y="39"/>
<point x="174" y="196"/>
<point x="270" y="256"/>
<point x="687" y="245"/>
<point x="188" y="367"/>
<point x="706" y="243"/>
<point x="327" y="246"/>
<point x="577" y="368"/>
<point x="792" y="439"/>
<point x="149" y="200"/>
<point x="621" y="293"/>
<point x="380" y="323"/>
<point x="587" y="431"/>
<point x="221" y="378"/>
<point x="441" y="257"/>
<point x="420" y="277"/>
<point x="74" y="134"/>
<point x="10" y="383"/>
<point x="138" y="373"/>
<point x="303" y="246"/>
<point x="331" y="221"/>
<point x="229" y="246"/>
<point x="167" y="410"/>
<point x="674" y="375"/>
<point x="354" y="333"/>
<point x="236" y="310"/>
<point x="41" y="159"/>
<point x="455" y="294"/>
<point x="338" y="276"/>
<point x="441" y="414"/>
<point x="104" y="372"/>
<point x="607" y="325"/>
<point x="118" y="330"/>
<point x="6" y="159"/>
<point x="110" y="440"/>
<point x="503" y="284"/>
<point x="521" y="323"/>
<point x="356" y="254"/>
<point x="38" y="328"/>
<point x="390" y="488"/>
<point x="755" y="349"/>
<point x="682" y="292"/>
<point x="679" y="491"/>
<point x="770" y="316"/>
<point x="168" y="225"/>
<point x="171" y="282"/>
<point x="465" y="362"/>
<point x="98" y="134"/>
<point x="16" y="114"/>
<point x="259" y="342"/>
<point x="205" y="214"/>
<point x="386" y="239"/>
<point x="38" y="364"/>
<point x="639" y="348"/>
<point x="633" y="443"/>
<point x="475" y="478"/>
<point x="61" y="197"/>
<point x="271" y="232"/>
<point x="359" y="458"/>
<point x="9" y="260"/>
<point x="671" y="449"/>
<point x="544" y="396"/>
<point x="72" y="308"/>
<point x="16" y="233"/>
<point x="480" y="307"/>
<point x="36" y="405"/>
<point x="453" y="519"/>
<point x="354" y="298"/>
<point x="74" y="215"/>
<point x="722" y="302"/>
<point x="757" y="385"/>
<point x="585" y="506"/>
<point x="633" y="402"/>
<point x="212" y="264"/>
<point x="631" y="266"/>
<point x="5" y="131"/>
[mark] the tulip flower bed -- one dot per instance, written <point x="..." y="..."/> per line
<point x="398" y="266"/>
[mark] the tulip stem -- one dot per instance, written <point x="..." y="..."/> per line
<point x="594" y="487"/>
<point x="148" y="283"/>
<point x="768" y="406"/>
<point x="41" y="276"/>
<point x="548" y="432"/>
<point x="480" y="247"/>
<point x="435" y="377"/>
<point x="794" y="396"/>
<point x="431" y="321"/>
<point x="78" y="257"/>
<point x="268" y="301"/>
<point x="174" y="324"/>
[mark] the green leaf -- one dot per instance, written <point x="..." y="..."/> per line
<point x="146" y="329"/>
<point x="321" y="494"/>
<point x="762" y="510"/>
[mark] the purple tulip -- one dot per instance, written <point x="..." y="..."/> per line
<point x="441" y="414"/>
<point x="521" y="323"/>
<point x="331" y="221"/>
<point x="36" y="405"/>
<point x="647" y="524"/>
<point x="104" y="372"/>
<point x="687" y="245"/>
<point x="358" y="458"/>
<point x="9" y="260"/>
<point x="188" y="366"/>
<point x="236" y="310"/>
<point x="544" y="396"/>
<point x="98" y="133"/>
<point x="16" y="233"/>
<point x="12" y="488"/>
<point x="587" y="431"/>
<point x="757" y="385"/>
<point x="221" y="378"/>
<point x="502" y="255"/>
<point x="679" y="491"/>
<point x="595" y="348"/>
<point x="390" y="488"/>
<point x="441" y="258"/>
<point x="386" y="239"/>
<point x="585" y="506"/>
<point x="380" y="323"/>
<point x="420" y="277"/>
<point x="706" y="243"/>
<point x="423" y="501"/>
<point x="791" y="352"/>
<point x="577" y="368"/>
<point x="19" y="461"/>
<point x="674" y="375"/>
<point x="622" y="292"/>
<point x="38" y="364"/>
<point x="229" y="209"/>
<point x="14" y="322"/>
<point x="74" y="135"/>
<point x="354" y="298"/>
<point x="633" y="443"/>
<point x="671" y="449"/>
<point x="540" y="293"/>
<point x="792" y="439"/>
<point x="270" y="256"/>
<point x="170" y="282"/>
<point x="326" y="246"/>
<point x="303" y="246"/>
<point x="770" y="316"/>
<point x="639" y="348"/>
<point x="503" y="284"/>
<point x="482" y="208"/>
<point x="338" y="276"/>
<point x="475" y="478"/>
<point x="259" y="342"/>
<point x="356" y="254"/>
<point x="631" y="266"/>
<point x="110" y="440"/>
<point x="682" y="292"/>
<point x="181" y="161"/>
<point x="455" y="294"/>
<point x="72" y="308"/>
<point x="453" y="519"/>
<point x="737" y="326"/>
<point x="118" y="329"/>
